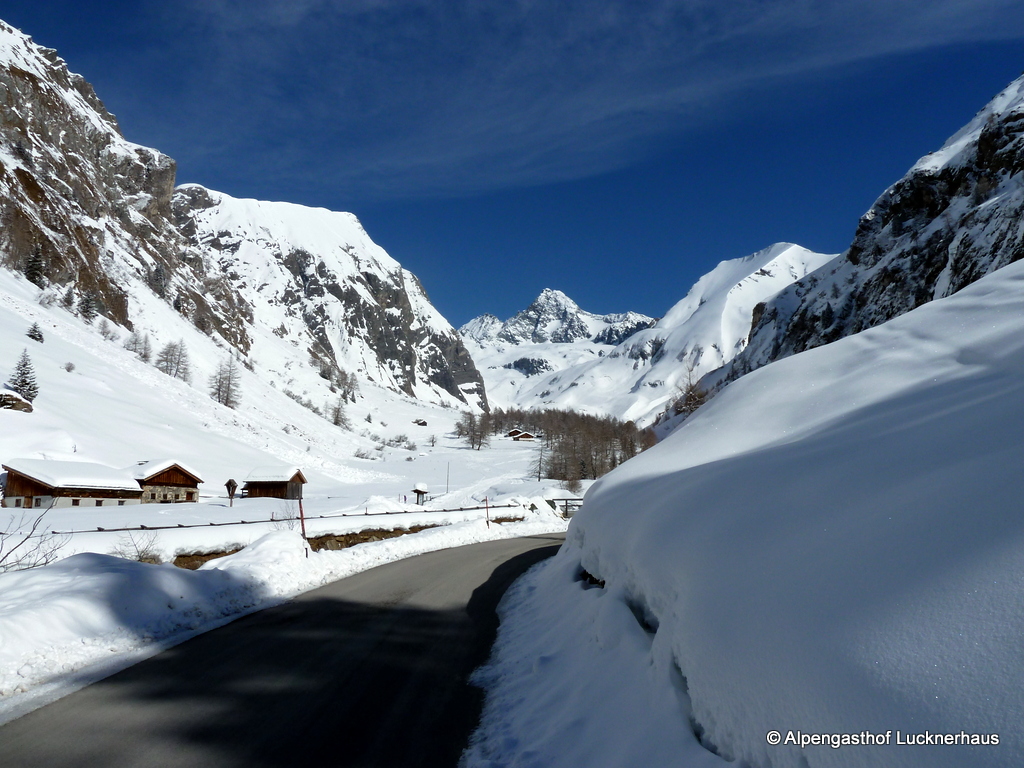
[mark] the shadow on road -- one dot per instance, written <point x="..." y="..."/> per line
<point x="321" y="681"/>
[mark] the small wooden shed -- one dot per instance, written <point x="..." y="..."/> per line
<point x="276" y="482"/>
<point x="42" y="484"/>
<point x="420" y="489"/>
<point x="523" y="436"/>
<point x="165" y="481"/>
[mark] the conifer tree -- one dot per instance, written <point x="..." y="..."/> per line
<point x="35" y="268"/>
<point x="23" y="380"/>
<point x="87" y="306"/>
<point x="35" y="333"/>
<point x="338" y="416"/>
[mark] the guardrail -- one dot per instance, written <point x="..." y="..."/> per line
<point x="181" y="526"/>
<point x="569" y="506"/>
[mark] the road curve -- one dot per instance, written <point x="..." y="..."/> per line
<point x="367" y="671"/>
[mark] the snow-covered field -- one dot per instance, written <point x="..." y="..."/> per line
<point x="831" y="548"/>
<point x="67" y="624"/>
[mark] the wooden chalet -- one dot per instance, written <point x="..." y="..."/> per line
<point x="43" y="484"/>
<point x="513" y="432"/>
<point x="524" y="436"/>
<point x="274" y="482"/>
<point x="165" y="481"/>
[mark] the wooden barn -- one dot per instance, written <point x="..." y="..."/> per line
<point x="42" y="484"/>
<point x="165" y="481"/>
<point x="523" y="436"/>
<point x="274" y="482"/>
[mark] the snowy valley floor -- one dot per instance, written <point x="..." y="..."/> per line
<point x="90" y="615"/>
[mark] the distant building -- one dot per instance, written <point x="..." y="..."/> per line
<point x="275" y="482"/>
<point x="41" y="484"/>
<point x="513" y="432"/>
<point x="523" y="436"/>
<point x="420" y="489"/>
<point x="165" y="481"/>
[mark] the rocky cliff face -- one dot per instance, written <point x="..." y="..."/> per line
<point x="316" y="278"/>
<point x="83" y="209"/>
<point x="91" y="218"/>
<point x="955" y="217"/>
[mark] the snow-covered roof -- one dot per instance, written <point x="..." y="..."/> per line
<point x="73" y="474"/>
<point x="274" y="474"/>
<point x="420" y="488"/>
<point x="143" y="470"/>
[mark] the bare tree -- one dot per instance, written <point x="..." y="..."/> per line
<point x="475" y="429"/>
<point x="25" y="544"/>
<point x="139" y="547"/>
<point x="173" y="360"/>
<point x="689" y="394"/>
<point x="225" y="383"/>
<point x="140" y="345"/>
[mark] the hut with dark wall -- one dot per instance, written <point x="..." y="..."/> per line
<point x="42" y="483"/>
<point x="274" y="482"/>
<point x="165" y="481"/>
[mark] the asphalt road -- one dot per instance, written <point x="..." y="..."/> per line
<point x="367" y="671"/>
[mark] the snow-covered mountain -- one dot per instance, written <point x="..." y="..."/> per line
<point x="554" y="317"/>
<point x="632" y="367"/>
<point x="953" y="218"/>
<point x="550" y="336"/>
<point x="314" y="279"/>
<point x="92" y="218"/>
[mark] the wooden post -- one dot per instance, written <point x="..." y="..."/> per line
<point x="487" y="513"/>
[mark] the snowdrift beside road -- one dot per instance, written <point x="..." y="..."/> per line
<point x="88" y="616"/>
<point x="832" y="545"/>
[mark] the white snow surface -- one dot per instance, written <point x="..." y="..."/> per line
<point x="74" y="474"/>
<point x="68" y="624"/>
<point x="640" y="377"/>
<point x="832" y="545"/>
<point x="146" y="468"/>
<point x="59" y="622"/>
<point x="1008" y="101"/>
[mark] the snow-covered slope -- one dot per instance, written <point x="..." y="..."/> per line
<point x="832" y="545"/>
<point x="955" y="217"/>
<point x="92" y="218"/>
<point x="321" y="290"/>
<point x="637" y="376"/>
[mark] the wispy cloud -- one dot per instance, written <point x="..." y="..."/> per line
<point x="396" y="98"/>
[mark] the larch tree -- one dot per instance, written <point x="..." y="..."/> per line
<point x="225" y="383"/>
<point x="173" y="360"/>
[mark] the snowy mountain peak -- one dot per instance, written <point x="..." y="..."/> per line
<point x="627" y="365"/>
<point x="554" y="317"/>
<point x="482" y="329"/>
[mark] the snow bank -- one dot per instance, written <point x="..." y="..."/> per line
<point x="74" y="622"/>
<point x="833" y="545"/>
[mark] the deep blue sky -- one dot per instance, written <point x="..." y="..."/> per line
<point x="613" y="150"/>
